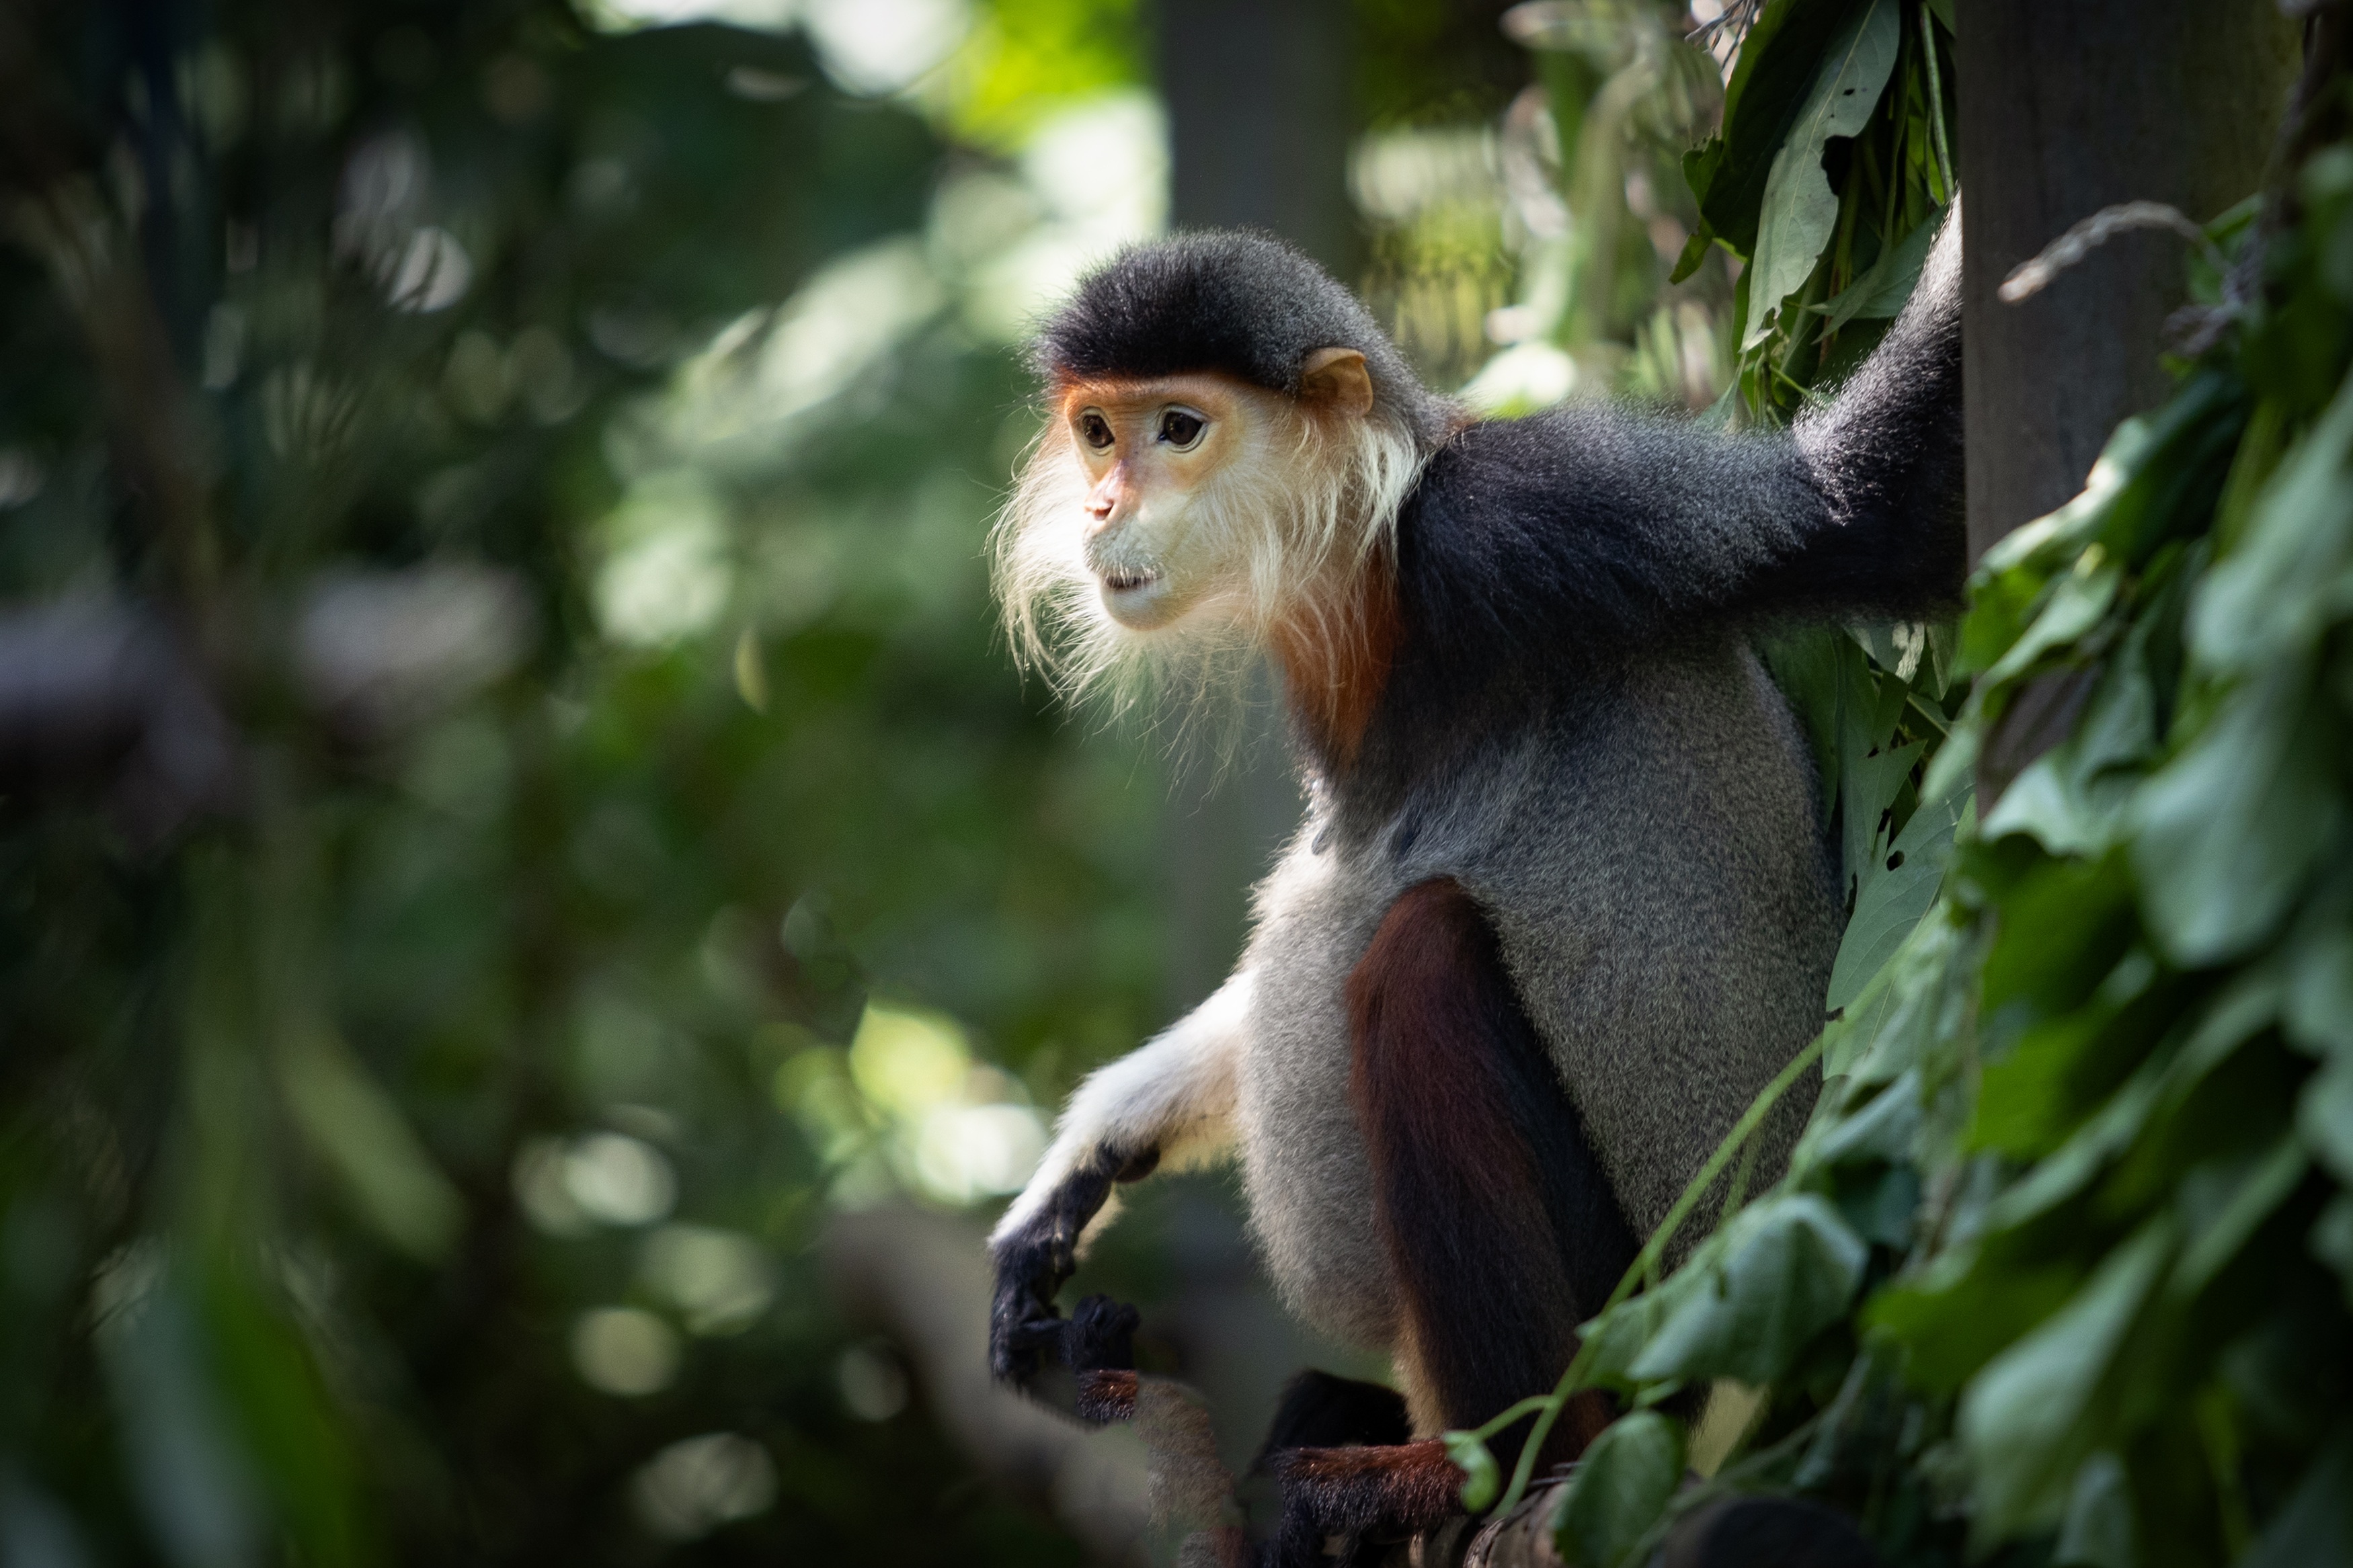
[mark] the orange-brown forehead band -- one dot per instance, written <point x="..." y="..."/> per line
<point x="1110" y="392"/>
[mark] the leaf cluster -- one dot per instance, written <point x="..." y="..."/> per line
<point x="2061" y="1270"/>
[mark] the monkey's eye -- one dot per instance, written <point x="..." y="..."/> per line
<point x="1181" y="428"/>
<point x="1095" y="430"/>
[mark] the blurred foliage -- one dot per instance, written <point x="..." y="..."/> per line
<point x="563" y="452"/>
<point x="1442" y="63"/>
<point x="1588" y="214"/>
<point x="2060" y="1272"/>
<point x="1027" y="59"/>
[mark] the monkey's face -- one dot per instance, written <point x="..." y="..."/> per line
<point x="1164" y="524"/>
<point x="1152" y="456"/>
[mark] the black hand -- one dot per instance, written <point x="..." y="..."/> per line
<point x="1101" y="1336"/>
<point x="1025" y="1332"/>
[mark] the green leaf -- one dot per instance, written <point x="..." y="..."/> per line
<point x="2248" y="1005"/>
<point x="1894" y="902"/>
<point x="2320" y="992"/>
<point x="2148" y="481"/>
<point x="1919" y="998"/>
<point x="1618" y="1337"/>
<point x="192" y="1478"/>
<point x="1884" y="1131"/>
<point x="2249" y="1190"/>
<point x="2071" y="800"/>
<point x="2078" y="602"/>
<point x="1619" y="1491"/>
<point x="2324" y="1115"/>
<point x="1480" y="1478"/>
<point x="359" y="1134"/>
<point x="2229" y="829"/>
<point x="1787" y="1268"/>
<point x="1799" y="209"/>
<point x="2290" y="577"/>
<point x="2030" y="1417"/>
<point x="1881" y="292"/>
<point x="2098" y="1528"/>
<point x="1872" y="770"/>
<point x="1771" y="80"/>
<point x="2316" y="1528"/>
<point x="1694" y="249"/>
<point x="1964" y="1312"/>
<point x="2332" y="1238"/>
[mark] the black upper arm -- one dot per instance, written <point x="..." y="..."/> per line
<point x="1596" y="526"/>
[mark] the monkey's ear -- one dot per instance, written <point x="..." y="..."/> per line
<point x="1337" y="379"/>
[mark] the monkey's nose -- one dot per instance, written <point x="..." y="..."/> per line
<point x="1104" y="509"/>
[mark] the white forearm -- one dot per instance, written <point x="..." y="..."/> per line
<point x="1173" y="1095"/>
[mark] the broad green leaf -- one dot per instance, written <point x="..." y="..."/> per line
<point x="2029" y="1100"/>
<point x="1799" y="208"/>
<point x="2230" y="1021"/>
<point x="1809" y="665"/>
<point x="1481" y="1481"/>
<point x="1617" y="1338"/>
<point x="2249" y="1190"/>
<point x="2071" y="799"/>
<point x="1787" y="1268"/>
<point x="2076" y="1163"/>
<point x="2018" y="567"/>
<point x="1858" y="1026"/>
<point x="1621" y="1489"/>
<point x="1882" y="291"/>
<point x="2291" y="575"/>
<point x="1875" y="788"/>
<point x="1883" y="1130"/>
<point x="2078" y="601"/>
<point x="2065" y="928"/>
<point x="1771" y="81"/>
<point x="1893" y="902"/>
<point x="1965" y="1310"/>
<point x="1927" y="1000"/>
<point x="2228" y="830"/>
<point x="2045" y="804"/>
<point x="2030" y="1418"/>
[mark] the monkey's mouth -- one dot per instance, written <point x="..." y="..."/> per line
<point x="1137" y="598"/>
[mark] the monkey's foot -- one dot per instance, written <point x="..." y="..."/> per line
<point x="1368" y="1498"/>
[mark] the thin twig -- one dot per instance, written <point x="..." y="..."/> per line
<point x="2032" y="277"/>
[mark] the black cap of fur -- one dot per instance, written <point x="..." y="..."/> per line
<point x="1229" y="300"/>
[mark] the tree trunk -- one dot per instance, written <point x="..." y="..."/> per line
<point x="2064" y="110"/>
